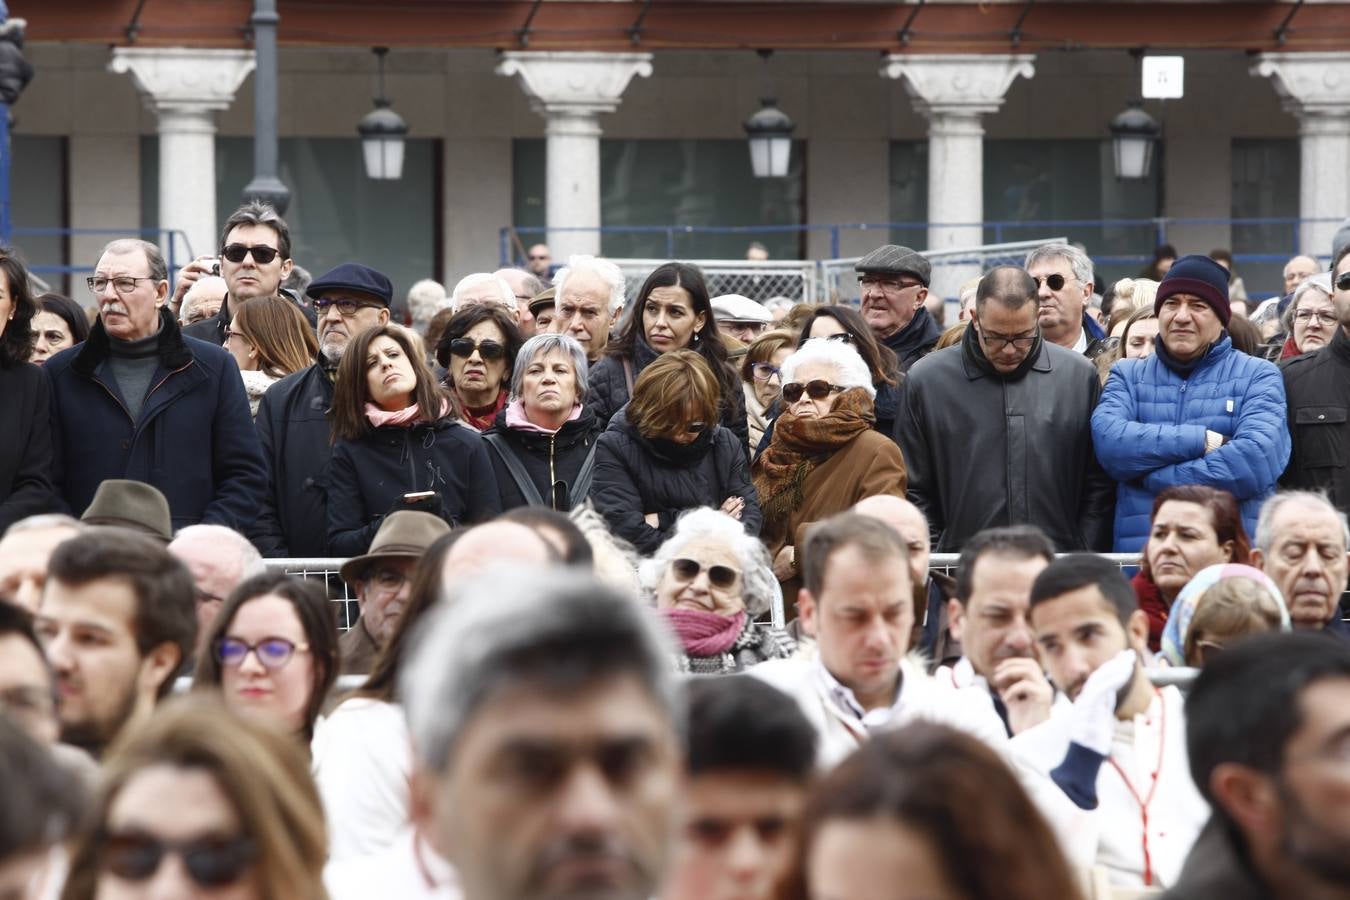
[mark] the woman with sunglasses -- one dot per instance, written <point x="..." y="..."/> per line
<point x="824" y="455"/>
<point x="200" y="802"/>
<point x="273" y="652"/>
<point x="60" y="323"/>
<point x="478" y="352"/>
<point x="760" y="381"/>
<point x="711" y="582"/>
<point x="665" y="453"/>
<point x="672" y="312"/>
<point x="842" y="323"/>
<point x="270" y="338"/>
<point x="398" y="445"/>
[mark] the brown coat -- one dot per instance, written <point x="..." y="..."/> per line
<point x="869" y="464"/>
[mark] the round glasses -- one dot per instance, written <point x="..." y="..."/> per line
<point x="718" y="576"/>
<point x="211" y="862"/>
<point x="818" y="389"/>
<point x="764" y="371"/>
<point x="1307" y="316"/>
<point x="1053" y="282"/>
<point x="272" y="652"/>
<point x="463" y="347"/>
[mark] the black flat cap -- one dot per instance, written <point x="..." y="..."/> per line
<point x="892" y="259"/>
<point x="353" y="277"/>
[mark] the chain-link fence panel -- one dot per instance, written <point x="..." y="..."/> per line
<point x="760" y="281"/>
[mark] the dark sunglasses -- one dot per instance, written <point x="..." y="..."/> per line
<point x="842" y="336"/>
<point x="816" y="390"/>
<point x="486" y="349"/>
<point x="1343" y="281"/>
<point x="718" y="576"/>
<point x="1053" y="282"/>
<point x="210" y="862"/>
<point x="273" y="652"/>
<point x="262" y="254"/>
<point x="696" y="427"/>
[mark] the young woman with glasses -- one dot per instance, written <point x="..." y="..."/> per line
<point x="478" y="352"/>
<point x="200" y="802"/>
<point x="272" y="652"/>
<point x="665" y="453"/>
<point x="397" y="444"/>
<point x="760" y="380"/>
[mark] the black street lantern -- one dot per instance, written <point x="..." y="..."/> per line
<point x="770" y="134"/>
<point x="382" y="132"/>
<point x="1133" y="134"/>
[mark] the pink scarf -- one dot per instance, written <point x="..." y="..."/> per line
<point x="704" y="634"/>
<point x="378" y="417"/>
<point x="515" y="418"/>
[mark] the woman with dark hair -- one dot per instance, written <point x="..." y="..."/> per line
<point x="25" y="403"/>
<point x="60" y="323"/>
<point x="672" y="311"/>
<point x="842" y="323"/>
<point x="273" y="652"/>
<point x="398" y="445"/>
<point x="935" y="811"/>
<point x="1192" y="527"/>
<point x="478" y="352"/>
<point x="665" y="453"/>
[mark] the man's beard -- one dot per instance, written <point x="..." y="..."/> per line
<point x="94" y="735"/>
<point x="332" y="353"/>
<point x="1308" y="846"/>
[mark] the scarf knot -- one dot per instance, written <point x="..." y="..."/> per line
<point x="703" y="633"/>
<point x="800" y="444"/>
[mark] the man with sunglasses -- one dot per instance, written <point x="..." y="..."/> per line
<point x="892" y="288"/>
<point x="539" y="260"/>
<point x="1064" y="289"/>
<point x="293" y="422"/>
<point x="1317" y="386"/>
<point x="997" y="430"/>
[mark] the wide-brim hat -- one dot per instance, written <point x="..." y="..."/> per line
<point x="131" y="504"/>
<point x="404" y="534"/>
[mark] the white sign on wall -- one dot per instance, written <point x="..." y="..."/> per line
<point x="1163" y="77"/>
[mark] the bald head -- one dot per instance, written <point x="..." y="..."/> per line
<point x="1297" y="269"/>
<point x="494" y="542"/>
<point x="1011" y="286"/>
<point x="908" y="521"/>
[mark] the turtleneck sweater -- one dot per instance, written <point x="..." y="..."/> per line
<point x="133" y="365"/>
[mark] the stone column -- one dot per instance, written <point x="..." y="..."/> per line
<point x="571" y="90"/>
<point x="953" y="91"/>
<point x="185" y="88"/>
<point x="1315" y="87"/>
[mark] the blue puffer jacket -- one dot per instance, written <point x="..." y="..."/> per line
<point x="1149" y="432"/>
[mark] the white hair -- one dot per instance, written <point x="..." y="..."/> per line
<point x="426" y="298"/>
<point x="43" y="521"/>
<point x="611" y="274"/>
<point x="541" y="344"/>
<point x="1264" y="539"/>
<point x="1078" y="260"/>
<point x="758" y="584"/>
<point x="194" y="293"/>
<point x="223" y="540"/>
<point x="1136" y="293"/>
<point x="779" y="302"/>
<point x="508" y="297"/>
<point x="852" y="372"/>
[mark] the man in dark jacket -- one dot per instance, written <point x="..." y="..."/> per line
<point x="1266" y="726"/>
<point x="294" y="425"/>
<point x="1317" y="387"/>
<point x="893" y="283"/>
<point x="997" y="431"/>
<point x="139" y="400"/>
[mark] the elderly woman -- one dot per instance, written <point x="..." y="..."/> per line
<point x="760" y="381"/>
<point x="478" y="352"/>
<point x="842" y="323"/>
<point x="60" y="323"/>
<point x="1193" y="527"/>
<point x="711" y="581"/>
<point x="825" y="455"/>
<point x="1310" y="321"/>
<point x="544" y="442"/>
<point x="1220" y="605"/>
<point x="665" y="453"/>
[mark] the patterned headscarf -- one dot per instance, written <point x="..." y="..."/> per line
<point x="1183" y="609"/>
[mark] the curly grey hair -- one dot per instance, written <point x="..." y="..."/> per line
<point x="758" y="584"/>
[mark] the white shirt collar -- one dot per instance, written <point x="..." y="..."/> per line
<point x="844" y="700"/>
<point x="1080" y="345"/>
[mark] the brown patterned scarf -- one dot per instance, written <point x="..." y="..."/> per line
<point x="800" y="444"/>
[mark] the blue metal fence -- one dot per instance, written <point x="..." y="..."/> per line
<point x="173" y="240"/>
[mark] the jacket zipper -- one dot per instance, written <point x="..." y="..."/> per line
<point x="552" y="478"/>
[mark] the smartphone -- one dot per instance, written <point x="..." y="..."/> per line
<point x="418" y="496"/>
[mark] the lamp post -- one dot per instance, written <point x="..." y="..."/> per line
<point x="266" y="184"/>
<point x="770" y="133"/>
<point x="382" y="132"/>
<point x="1133" y="135"/>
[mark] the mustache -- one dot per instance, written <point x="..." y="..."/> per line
<point x="582" y="848"/>
<point x="115" y="307"/>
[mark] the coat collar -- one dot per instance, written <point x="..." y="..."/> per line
<point x="974" y="370"/>
<point x="173" y="349"/>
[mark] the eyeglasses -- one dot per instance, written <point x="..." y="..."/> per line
<point x="764" y="371"/>
<point x="894" y="285"/>
<point x="231" y="334"/>
<point x="696" y="427"/>
<point x="816" y="390"/>
<point x="996" y="342"/>
<point x="123" y="284"/>
<point x="262" y="254"/>
<point x="1053" y="282"/>
<point x="1343" y="281"/>
<point x="211" y="862"/>
<point x="1307" y="315"/>
<point x="464" y="347"/>
<point x="538" y="258"/>
<point x="387" y="579"/>
<point x="346" y="306"/>
<point x="718" y="576"/>
<point x="272" y="652"/>
<point x="843" y="337"/>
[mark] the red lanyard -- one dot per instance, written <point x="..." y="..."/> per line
<point x="1145" y="801"/>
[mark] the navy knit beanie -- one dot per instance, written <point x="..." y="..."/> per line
<point x="1201" y="276"/>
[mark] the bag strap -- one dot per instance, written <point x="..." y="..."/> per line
<point x="628" y="375"/>
<point x="513" y="465"/>
<point x="582" y="486"/>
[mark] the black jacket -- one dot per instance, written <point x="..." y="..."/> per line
<point x="635" y="476"/>
<point x="1217" y="869"/>
<point x="986" y="450"/>
<point x="915" y="341"/>
<point x="26" y="452"/>
<point x="1317" y="387"/>
<point x="369" y="477"/>
<point x="548" y="459"/>
<point x="296" y="432"/>
<point x="607" y="392"/>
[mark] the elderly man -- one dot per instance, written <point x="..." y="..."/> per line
<point x="293" y="419"/>
<point x="141" y="400"/>
<point x="740" y="317"/>
<point x="524" y="287"/>
<point x="538" y="260"/>
<point x="997" y="430"/>
<point x="1297" y="269"/>
<point x="426" y="298"/>
<point x="590" y="301"/>
<point x="24" y="552"/>
<point x="1266" y="725"/>
<point x="544" y="310"/>
<point x="545" y="730"/>
<point x="1198" y="411"/>
<point x="382" y="579"/>
<point x="858" y="603"/>
<point x="202" y="300"/>
<point x="1063" y="275"/>
<point x="483" y="287"/>
<point x="116" y="623"/>
<point x="1317" y="388"/>
<point x="1301" y="542"/>
<point x="932" y="590"/>
<point x="219" y="559"/>
<point x="495" y="543"/>
<point x="892" y="286"/>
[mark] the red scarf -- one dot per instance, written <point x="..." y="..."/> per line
<point x="1157" y="609"/>
<point x="484" y="417"/>
<point x="703" y="634"/>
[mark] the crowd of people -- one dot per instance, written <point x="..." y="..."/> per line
<point x="643" y="605"/>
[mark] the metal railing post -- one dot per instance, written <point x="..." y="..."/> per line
<point x="834" y="241"/>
